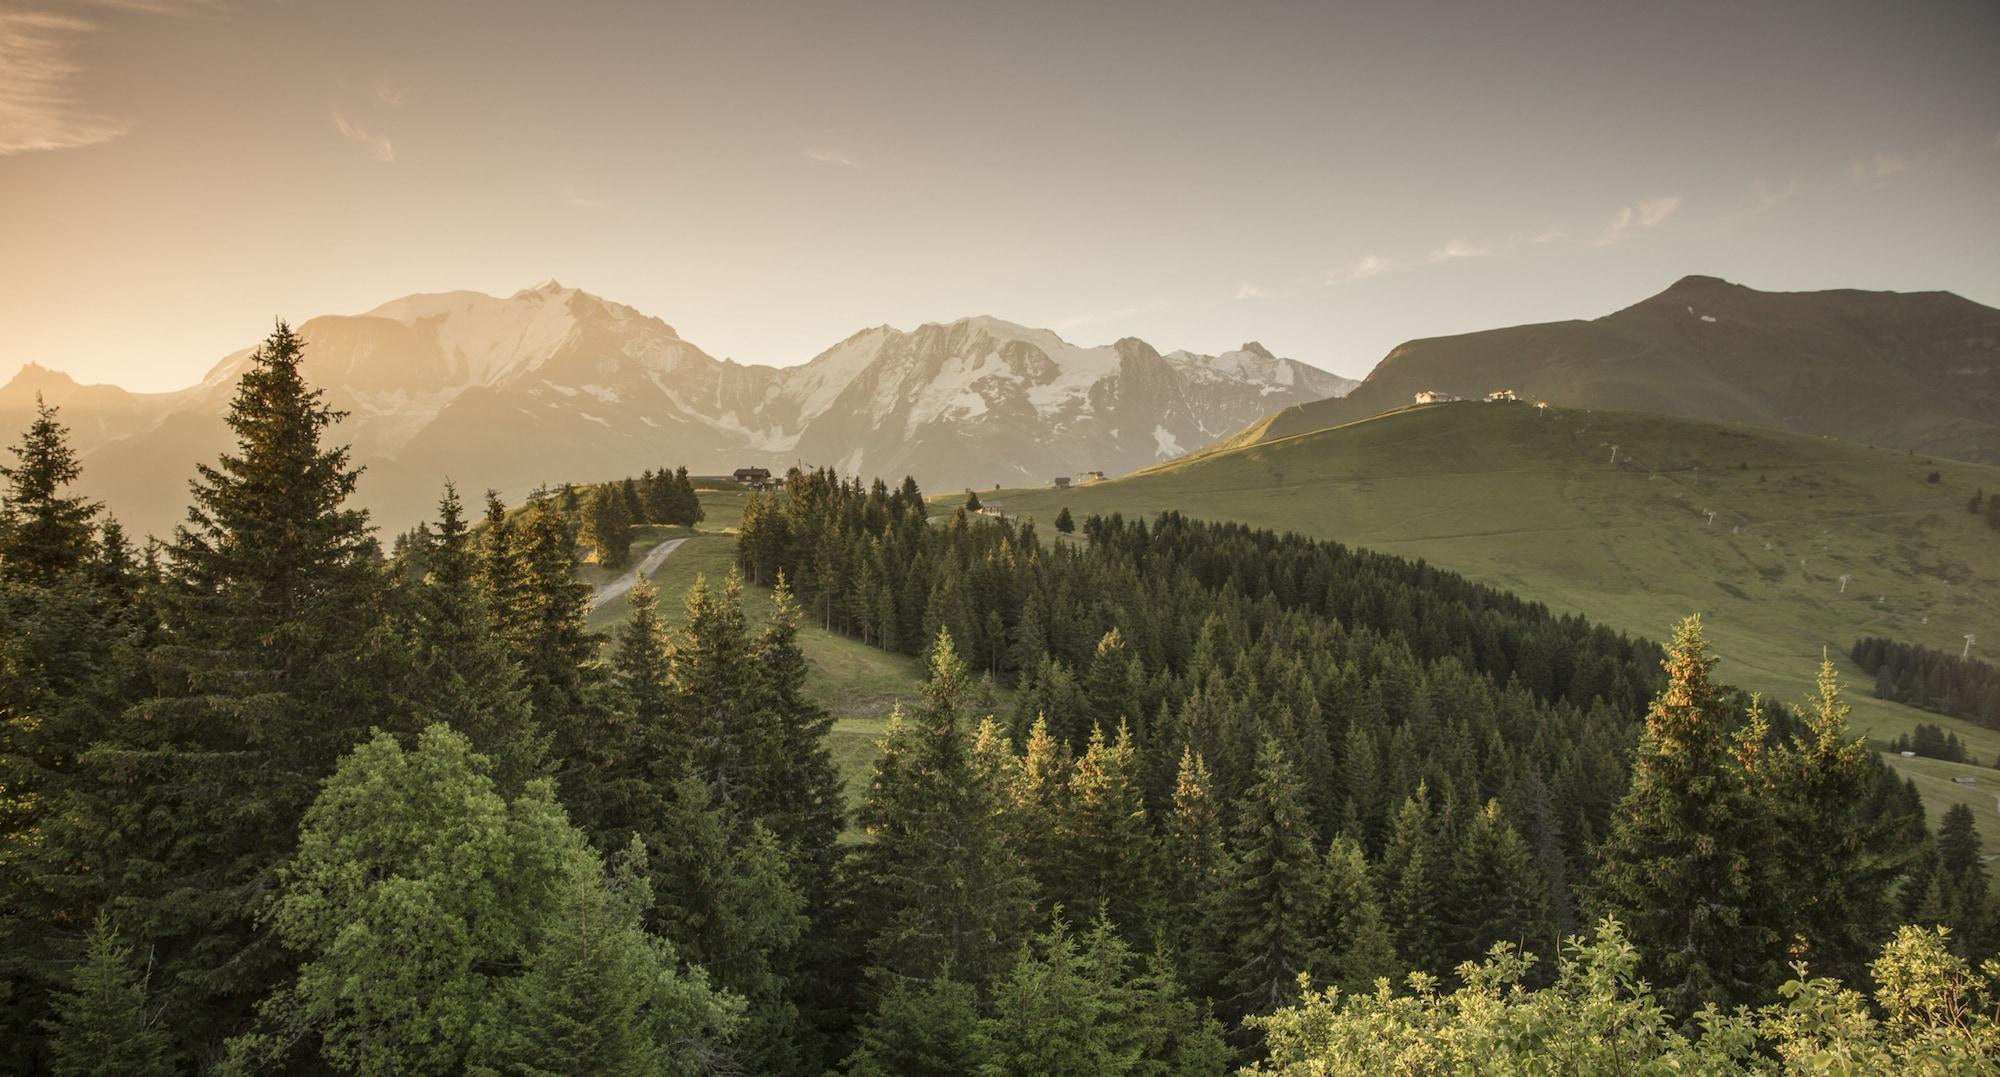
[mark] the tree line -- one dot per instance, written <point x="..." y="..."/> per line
<point x="277" y="802"/>
<point x="1933" y="679"/>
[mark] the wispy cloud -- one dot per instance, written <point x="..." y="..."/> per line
<point x="376" y="143"/>
<point x="1878" y="168"/>
<point x="1641" y="217"/>
<point x="831" y="157"/>
<point x="1368" y="265"/>
<point x="1544" y="238"/>
<point x="38" y="108"/>
<point x="1455" y="249"/>
<point x="390" y="92"/>
<point x="1769" y="196"/>
<point x="1247" y="290"/>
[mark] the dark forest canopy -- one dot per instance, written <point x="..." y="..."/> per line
<point x="274" y="802"/>
<point x="1935" y="680"/>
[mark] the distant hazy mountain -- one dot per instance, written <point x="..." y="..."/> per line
<point x="1916" y="370"/>
<point x="554" y="384"/>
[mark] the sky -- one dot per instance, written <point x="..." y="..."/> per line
<point x="1328" y="179"/>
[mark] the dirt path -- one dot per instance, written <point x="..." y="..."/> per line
<point x="647" y="566"/>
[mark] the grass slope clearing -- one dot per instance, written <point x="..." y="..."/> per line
<point x="857" y="683"/>
<point x="1533" y="502"/>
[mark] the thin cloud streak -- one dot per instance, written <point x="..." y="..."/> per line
<point x="831" y="157"/>
<point x="1368" y="265"/>
<point x="1643" y="216"/>
<point x="376" y="143"/>
<point x="38" y="110"/>
<point x="1455" y="249"/>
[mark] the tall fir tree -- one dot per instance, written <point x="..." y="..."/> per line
<point x="1108" y="863"/>
<point x="271" y="669"/>
<point x="1357" y="934"/>
<point x="103" y="1023"/>
<point x="72" y="634"/>
<point x="45" y="532"/>
<point x="944" y="895"/>
<point x="462" y="673"/>
<point x="1687" y="867"/>
<point x="1500" y="895"/>
<point x="1268" y="914"/>
<point x="1838" y="864"/>
<point x="1411" y="877"/>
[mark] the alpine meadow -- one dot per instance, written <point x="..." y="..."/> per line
<point x="1469" y="542"/>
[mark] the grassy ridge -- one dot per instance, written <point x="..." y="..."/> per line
<point x="1532" y="502"/>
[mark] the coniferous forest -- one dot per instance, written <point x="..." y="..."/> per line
<point x="1932" y="679"/>
<point x="1176" y="798"/>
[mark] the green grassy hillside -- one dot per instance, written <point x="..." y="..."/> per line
<point x="1532" y="502"/>
<point x="857" y="683"/>
<point x="1916" y="370"/>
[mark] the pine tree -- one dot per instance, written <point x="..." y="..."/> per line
<point x="1107" y="862"/>
<point x="1108" y="687"/>
<point x="1037" y="801"/>
<point x="718" y="695"/>
<point x="1838" y="864"/>
<point x="1686" y="866"/>
<point x="503" y="574"/>
<point x="972" y="501"/>
<point x="1357" y="933"/>
<point x="1267" y="915"/>
<point x="102" y="1021"/>
<point x="1065" y="523"/>
<point x="1086" y="1005"/>
<point x="938" y="882"/>
<point x="607" y="526"/>
<point x="71" y="635"/>
<point x="804" y="795"/>
<point x="728" y="904"/>
<point x="688" y="510"/>
<point x="268" y="674"/>
<point x="555" y="647"/>
<point x="1192" y="853"/>
<point x="1500" y="894"/>
<point x="1411" y="877"/>
<point x="920" y="1030"/>
<point x="461" y="672"/>
<point x="44" y="535"/>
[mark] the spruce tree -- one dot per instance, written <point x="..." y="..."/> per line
<point x="1267" y="914"/>
<point x="102" y="1021"/>
<point x="45" y="534"/>
<point x="607" y="525"/>
<point x="72" y="631"/>
<point x="1357" y="934"/>
<point x="1412" y="876"/>
<point x="1108" y="864"/>
<point x="1192" y="853"/>
<point x="1065" y="523"/>
<point x="718" y="697"/>
<point x="920" y="1030"/>
<point x="938" y="883"/>
<point x="1838" y="864"/>
<point x="1500" y="894"/>
<point x="461" y="672"/>
<point x="1688" y="862"/>
<point x="804" y="796"/>
<point x="268" y="673"/>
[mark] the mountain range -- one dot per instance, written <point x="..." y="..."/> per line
<point x="554" y="384"/>
<point x="1918" y="371"/>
